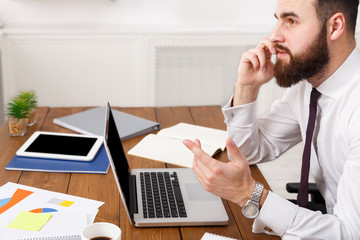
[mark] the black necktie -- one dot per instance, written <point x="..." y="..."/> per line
<point x="302" y="198"/>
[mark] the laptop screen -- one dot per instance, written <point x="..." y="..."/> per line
<point x="117" y="153"/>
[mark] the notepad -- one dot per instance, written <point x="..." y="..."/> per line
<point x="211" y="236"/>
<point x="166" y="145"/>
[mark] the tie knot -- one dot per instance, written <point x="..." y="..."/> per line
<point x="315" y="94"/>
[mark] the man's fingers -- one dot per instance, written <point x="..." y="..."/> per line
<point x="195" y="146"/>
<point x="205" y="161"/>
<point x="252" y="58"/>
<point x="199" y="169"/>
<point x="261" y="56"/>
<point x="197" y="142"/>
<point x="199" y="154"/>
<point x="202" y="161"/>
<point x="235" y="153"/>
<point x="267" y="44"/>
<point x="233" y="150"/>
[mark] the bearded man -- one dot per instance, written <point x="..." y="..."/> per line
<point x="319" y="64"/>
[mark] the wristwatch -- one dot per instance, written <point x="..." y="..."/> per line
<point x="251" y="207"/>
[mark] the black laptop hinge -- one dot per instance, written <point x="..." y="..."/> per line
<point x="133" y="198"/>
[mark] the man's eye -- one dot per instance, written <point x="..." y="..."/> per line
<point x="292" y="21"/>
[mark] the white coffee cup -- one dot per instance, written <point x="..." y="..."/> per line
<point x="101" y="229"/>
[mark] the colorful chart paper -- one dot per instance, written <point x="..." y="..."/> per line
<point x="46" y="220"/>
<point x="43" y="210"/>
<point x="30" y="221"/>
<point x="19" y="195"/>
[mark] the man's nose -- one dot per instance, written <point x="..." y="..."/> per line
<point x="277" y="35"/>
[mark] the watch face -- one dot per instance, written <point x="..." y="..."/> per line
<point x="250" y="210"/>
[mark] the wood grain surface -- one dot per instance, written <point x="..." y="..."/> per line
<point x="103" y="187"/>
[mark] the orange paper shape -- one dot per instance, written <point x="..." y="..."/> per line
<point x="18" y="196"/>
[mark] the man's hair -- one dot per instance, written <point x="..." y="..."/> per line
<point x="326" y="8"/>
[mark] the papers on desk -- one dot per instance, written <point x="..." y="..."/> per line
<point x="33" y="213"/>
<point x="166" y="145"/>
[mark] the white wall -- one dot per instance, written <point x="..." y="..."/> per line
<point x="140" y="13"/>
<point x="256" y="15"/>
<point x="2" y="109"/>
<point x="104" y="48"/>
<point x="88" y="68"/>
<point x="101" y="41"/>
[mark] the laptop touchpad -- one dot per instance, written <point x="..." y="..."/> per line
<point x="196" y="192"/>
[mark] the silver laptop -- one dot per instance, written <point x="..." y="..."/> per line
<point x="160" y="197"/>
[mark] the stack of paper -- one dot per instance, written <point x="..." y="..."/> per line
<point x="32" y="213"/>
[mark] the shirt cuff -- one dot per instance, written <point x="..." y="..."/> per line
<point x="275" y="215"/>
<point x="239" y="115"/>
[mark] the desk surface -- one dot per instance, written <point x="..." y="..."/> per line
<point x="103" y="187"/>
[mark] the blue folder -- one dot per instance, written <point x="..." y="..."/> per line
<point x="99" y="165"/>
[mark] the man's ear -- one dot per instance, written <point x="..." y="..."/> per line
<point x="336" y="26"/>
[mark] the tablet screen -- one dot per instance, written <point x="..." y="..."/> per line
<point x="66" y="145"/>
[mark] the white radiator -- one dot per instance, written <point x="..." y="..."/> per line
<point x="195" y="75"/>
<point x="202" y="75"/>
<point x="159" y="69"/>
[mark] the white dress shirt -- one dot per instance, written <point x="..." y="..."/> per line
<point x="335" y="154"/>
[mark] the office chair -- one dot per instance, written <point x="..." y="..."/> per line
<point x="317" y="202"/>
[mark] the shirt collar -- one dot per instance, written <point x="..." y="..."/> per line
<point x="335" y="85"/>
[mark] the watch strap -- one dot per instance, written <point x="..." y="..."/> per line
<point x="256" y="195"/>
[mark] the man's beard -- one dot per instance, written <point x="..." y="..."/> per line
<point x="304" y="65"/>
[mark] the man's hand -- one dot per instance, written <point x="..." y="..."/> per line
<point x="255" y="69"/>
<point x="231" y="180"/>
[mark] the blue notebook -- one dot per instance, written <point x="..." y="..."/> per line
<point x="99" y="165"/>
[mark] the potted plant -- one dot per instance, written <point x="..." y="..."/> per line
<point x="17" y="110"/>
<point x="30" y="98"/>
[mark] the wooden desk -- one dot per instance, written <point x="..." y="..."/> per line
<point x="103" y="187"/>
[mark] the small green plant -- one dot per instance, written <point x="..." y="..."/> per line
<point x="21" y="112"/>
<point x="18" y="108"/>
<point x="30" y="97"/>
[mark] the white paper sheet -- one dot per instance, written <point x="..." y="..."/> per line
<point x="68" y="220"/>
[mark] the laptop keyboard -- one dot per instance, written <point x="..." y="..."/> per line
<point x="161" y="195"/>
